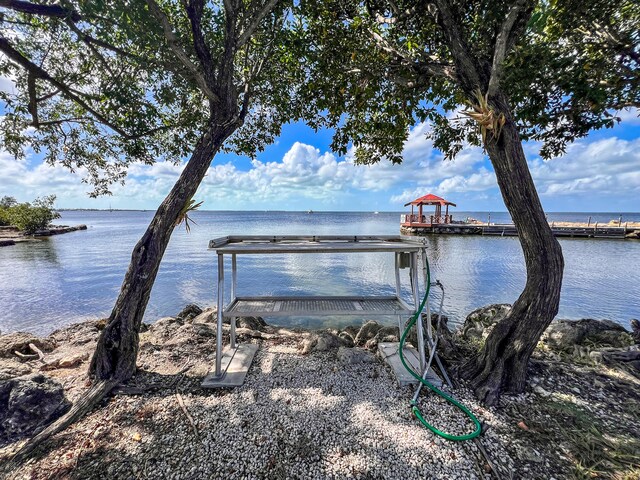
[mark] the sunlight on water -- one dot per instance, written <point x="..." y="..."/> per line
<point x="60" y="280"/>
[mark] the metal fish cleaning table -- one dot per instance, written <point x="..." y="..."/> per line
<point x="231" y="365"/>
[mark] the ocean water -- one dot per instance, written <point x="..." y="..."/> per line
<point x="64" y="279"/>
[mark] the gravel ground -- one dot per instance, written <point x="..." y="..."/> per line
<point x="295" y="417"/>
<point x="298" y="416"/>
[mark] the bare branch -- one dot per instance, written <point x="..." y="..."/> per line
<point x="33" y="100"/>
<point x="37" y="9"/>
<point x="502" y="44"/>
<point x="178" y="51"/>
<point x="255" y="22"/>
<point x="194" y="9"/>
<point x="468" y="73"/>
<point x="431" y="69"/>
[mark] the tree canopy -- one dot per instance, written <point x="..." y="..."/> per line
<point x="378" y="67"/>
<point x="102" y="84"/>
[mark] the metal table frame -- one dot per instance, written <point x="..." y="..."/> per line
<point x="406" y="250"/>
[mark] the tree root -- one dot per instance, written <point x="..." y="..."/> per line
<point x="84" y="404"/>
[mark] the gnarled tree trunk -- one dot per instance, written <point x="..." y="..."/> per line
<point x="114" y="360"/>
<point x="117" y="350"/>
<point x="502" y="363"/>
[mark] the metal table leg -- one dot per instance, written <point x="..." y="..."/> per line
<point x="232" y="320"/>
<point x="416" y="299"/>
<point x="220" y="315"/>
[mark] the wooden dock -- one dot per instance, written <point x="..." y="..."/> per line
<point x="509" y="230"/>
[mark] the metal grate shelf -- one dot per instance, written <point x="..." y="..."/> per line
<point x="311" y="306"/>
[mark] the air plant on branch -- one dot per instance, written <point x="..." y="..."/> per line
<point x="183" y="216"/>
<point x="485" y="117"/>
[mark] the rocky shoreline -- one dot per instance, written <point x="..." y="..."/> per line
<point x="320" y="404"/>
<point x="11" y="235"/>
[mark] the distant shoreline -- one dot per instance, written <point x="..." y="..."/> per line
<point x="11" y="235"/>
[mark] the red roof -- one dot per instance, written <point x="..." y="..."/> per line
<point x="430" y="199"/>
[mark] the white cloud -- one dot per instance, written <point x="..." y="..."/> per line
<point x="629" y="116"/>
<point x="308" y="178"/>
<point x="607" y="166"/>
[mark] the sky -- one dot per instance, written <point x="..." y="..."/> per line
<point x="599" y="173"/>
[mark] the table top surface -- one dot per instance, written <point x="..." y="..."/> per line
<point x="265" y="244"/>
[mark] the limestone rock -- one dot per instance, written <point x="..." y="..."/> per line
<point x="635" y="329"/>
<point x="164" y="328"/>
<point x="13" y="370"/>
<point x="189" y="333"/>
<point x="385" y="334"/>
<point x="347" y="337"/>
<point x="367" y="332"/>
<point x="20" y="341"/>
<point x="350" y="356"/>
<point x="69" y="361"/>
<point x="80" y="333"/>
<point x="252" y="323"/>
<point x="207" y="316"/>
<point x="481" y="321"/>
<point x="189" y="312"/>
<point x="564" y="335"/>
<point x="28" y="403"/>
<point x="322" y="341"/>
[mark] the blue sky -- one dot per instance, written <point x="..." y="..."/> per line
<point x="600" y="173"/>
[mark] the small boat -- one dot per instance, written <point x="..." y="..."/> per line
<point x="376" y="213"/>
<point x="309" y="211"/>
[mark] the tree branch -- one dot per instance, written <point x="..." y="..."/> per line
<point x="33" y="98"/>
<point x="37" y="9"/>
<point x="194" y="10"/>
<point x="432" y="69"/>
<point x="255" y="22"/>
<point x="34" y="71"/>
<point x="468" y="71"/>
<point x="504" y="43"/>
<point x="178" y="51"/>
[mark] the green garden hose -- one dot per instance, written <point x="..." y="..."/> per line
<point x="414" y="406"/>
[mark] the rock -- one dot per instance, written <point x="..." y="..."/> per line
<point x="189" y="312"/>
<point x="348" y="338"/>
<point x="20" y="341"/>
<point x="252" y="323"/>
<point x="69" y="361"/>
<point x="541" y="391"/>
<point x="635" y="329"/>
<point x="14" y="370"/>
<point x="207" y="316"/>
<point x="564" y="335"/>
<point x="481" y="321"/>
<point x="165" y="328"/>
<point x="367" y="332"/>
<point x="28" y="403"/>
<point x="80" y="333"/>
<point x="350" y="356"/>
<point x="629" y="356"/>
<point x="352" y="331"/>
<point x="385" y="334"/>
<point x="189" y="333"/>
<point x="322" y="341"/>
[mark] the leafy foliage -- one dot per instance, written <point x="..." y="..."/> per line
<point x="101" y="88"/>
<point x="30" y="217"/>
<point x="377" y="67"/>
<point x="190" y="206"/>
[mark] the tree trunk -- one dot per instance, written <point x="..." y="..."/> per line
<point x="117" y="350"/>
<point x="502" y="363"/>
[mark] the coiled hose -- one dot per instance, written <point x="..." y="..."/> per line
<point x="437" y="391"/>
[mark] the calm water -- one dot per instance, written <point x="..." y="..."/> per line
<point x="63" y="279"/>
